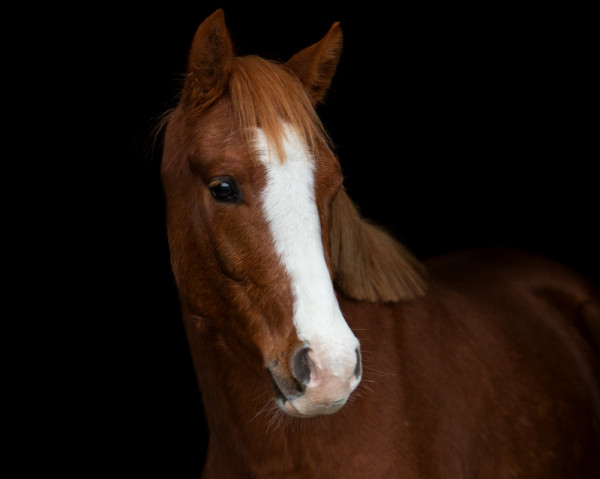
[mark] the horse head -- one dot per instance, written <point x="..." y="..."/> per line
<point x="250" y="181"/>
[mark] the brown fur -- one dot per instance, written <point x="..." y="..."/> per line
<point x="492" y="371"/>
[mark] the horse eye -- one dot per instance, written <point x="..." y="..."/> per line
<point x="224" y="190"/>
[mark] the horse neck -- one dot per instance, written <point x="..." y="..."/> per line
<point x="247" y="430"/>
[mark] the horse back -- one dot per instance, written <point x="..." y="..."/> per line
<point x="508" y="278"/>
<point x="509" y="362"/>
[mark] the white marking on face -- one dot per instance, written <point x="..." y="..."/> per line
<point x="290" y="208"/>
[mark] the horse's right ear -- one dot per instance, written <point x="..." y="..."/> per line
<point x="209" y="62"/>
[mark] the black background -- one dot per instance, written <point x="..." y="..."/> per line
<point x="456" y="127"/>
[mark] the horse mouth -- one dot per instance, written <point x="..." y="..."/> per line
<point x="294" y="403"/>
<point x="285" y="402"/>
<point x="290" y="408"/>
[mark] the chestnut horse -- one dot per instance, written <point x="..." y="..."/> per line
<point x="480" y="364"/>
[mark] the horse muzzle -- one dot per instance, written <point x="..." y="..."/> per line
<point x="318" y="383"/>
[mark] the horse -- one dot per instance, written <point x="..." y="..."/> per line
<point x="322" y="347"/>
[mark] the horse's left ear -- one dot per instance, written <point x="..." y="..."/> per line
<point x="315" y="65"/>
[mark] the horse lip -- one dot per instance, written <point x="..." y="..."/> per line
<point x="291" y="409"/>
<point x="319" y="410"/>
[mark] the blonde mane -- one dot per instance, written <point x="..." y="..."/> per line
<point x="266" y="94"/>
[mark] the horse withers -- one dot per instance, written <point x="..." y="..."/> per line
<point x="322" y="347"/>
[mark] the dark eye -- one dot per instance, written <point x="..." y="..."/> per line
<point x="224" y="190"/>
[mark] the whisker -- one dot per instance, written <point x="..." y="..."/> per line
<point x="364" y="386"/>
<point x="273" y="420"/>
<point x="268" y="405"/>
<point x="377" y="372"/>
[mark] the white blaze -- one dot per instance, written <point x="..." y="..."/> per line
<point x="290" y="208"/>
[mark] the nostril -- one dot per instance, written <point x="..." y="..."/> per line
<point x="358" y="368"/>
<point x="300" y="367"/>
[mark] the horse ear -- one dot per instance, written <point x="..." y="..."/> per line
<point x="368" y="264"/>
<point x="210" y="60"/>
<point x="315" y="65"/>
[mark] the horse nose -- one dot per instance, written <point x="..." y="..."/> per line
<point x="324" y="377"/>
<point x="307" y="371"/>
